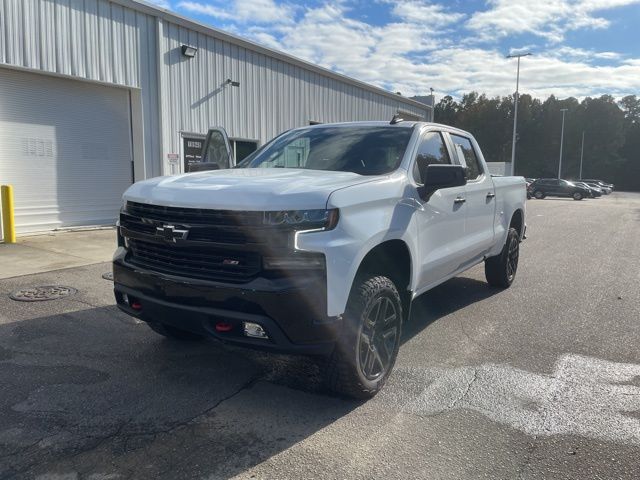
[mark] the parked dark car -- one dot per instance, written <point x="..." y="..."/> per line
<point x="529" y="182"/>
<point x="600" y="183"/>
<point x="554" y="187"/>
<point x="607" y="188"/>
<point x="595" y="190"/>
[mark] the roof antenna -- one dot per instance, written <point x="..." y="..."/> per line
<point x="396" y="119"/>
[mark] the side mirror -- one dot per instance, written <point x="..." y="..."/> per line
<point x="217" y="148"/>
<point x="203" y="166"/>
<point x="437" y="176"/>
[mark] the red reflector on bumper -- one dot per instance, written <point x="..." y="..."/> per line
<point x="136" y="305"/>
<point x="223" y="327"/>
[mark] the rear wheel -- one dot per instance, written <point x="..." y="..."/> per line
<point x="173" y="332"/>
<point x="577" y="196"/>
<point x="539" y="195"/>
<point x="500" y="271"/>
<point x="367" y="349"/>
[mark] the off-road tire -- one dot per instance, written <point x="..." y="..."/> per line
<point x="174" y="333"/>
<point x="498" y="270"/>
<point x="343" y="373"/>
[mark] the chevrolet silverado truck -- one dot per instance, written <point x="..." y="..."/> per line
<point x="318" y="242"/>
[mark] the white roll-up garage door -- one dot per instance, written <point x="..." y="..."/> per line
<point x="65" y="146"/>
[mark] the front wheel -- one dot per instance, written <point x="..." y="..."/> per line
<point x="539" y="195"/>
<point x="577" y="196"/>
<point x="367" y="349"/>
<point x="500" y="271"/>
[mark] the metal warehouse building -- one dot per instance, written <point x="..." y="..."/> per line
<point x="95" y="94"/>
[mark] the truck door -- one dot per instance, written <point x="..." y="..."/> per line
<point x="216" y="152"/>
<point x="480" y="195"/>
<point x="441" y="220"/>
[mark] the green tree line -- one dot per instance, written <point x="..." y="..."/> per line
<point x="611" y="134"/>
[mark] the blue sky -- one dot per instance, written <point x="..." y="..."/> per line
<point x="580" y="47"/>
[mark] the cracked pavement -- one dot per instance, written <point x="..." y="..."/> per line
<point x="538" y="381"/>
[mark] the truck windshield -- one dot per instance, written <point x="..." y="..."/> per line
<point x="363" y="150"/>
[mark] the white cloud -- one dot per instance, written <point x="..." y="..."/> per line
<point x="583" y="54"/>
<point x="489" y="72"/>
<point x="428" y="14"/>
<point x="404" y="56"/>
<point x="160" y="3"/>
<point x="549" y="19"/>
<point x="242" y="11"/>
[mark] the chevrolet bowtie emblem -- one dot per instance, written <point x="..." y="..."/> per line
<point x="171" y="234"/>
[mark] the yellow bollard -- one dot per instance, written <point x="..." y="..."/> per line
<point x="8" y="222"/>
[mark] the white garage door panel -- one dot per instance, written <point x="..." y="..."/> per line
<point x="65" y="146"/>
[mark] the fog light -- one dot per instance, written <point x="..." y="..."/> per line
<point x="254" y="330"/>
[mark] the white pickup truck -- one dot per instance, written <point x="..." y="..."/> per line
<point x="318" y="242"/>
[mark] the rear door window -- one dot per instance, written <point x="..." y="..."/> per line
<point x="469" y="157"/>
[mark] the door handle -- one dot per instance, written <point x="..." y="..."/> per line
<point x="460" y="200"/>
<point x="491" y="195"/>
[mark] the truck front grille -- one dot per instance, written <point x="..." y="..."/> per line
<point x="218" y="245"/>
<point x="195" y="262"/>
<point x="194" y="216"/>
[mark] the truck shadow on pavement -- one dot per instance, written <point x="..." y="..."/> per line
<point x="451" y="296"/>
<point x="92" y="391"/>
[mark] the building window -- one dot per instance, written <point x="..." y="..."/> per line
<point x="242" y="148"/>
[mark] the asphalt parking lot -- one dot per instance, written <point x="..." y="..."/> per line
<point x="538" y="381"/>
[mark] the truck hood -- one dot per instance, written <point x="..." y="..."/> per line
<point x="245" y="189"/>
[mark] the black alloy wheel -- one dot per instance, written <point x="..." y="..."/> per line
<point x="377" y="340"/>
<point x="366" y="350"/>
<point x="500" y="271"/>
<point x="513" y="254"/>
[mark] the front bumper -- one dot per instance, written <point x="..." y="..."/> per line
<point x="291" y="310"/>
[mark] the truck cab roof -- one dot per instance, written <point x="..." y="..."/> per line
<point x="381" y="123"/>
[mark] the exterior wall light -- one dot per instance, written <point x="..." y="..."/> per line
<point x="232" y="83"/>
<point x="188" y="51"/>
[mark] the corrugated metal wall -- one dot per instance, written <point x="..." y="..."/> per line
<point x="273" y="95"/>
<point x="91" y="39"/>
<point x="109" y="42"/>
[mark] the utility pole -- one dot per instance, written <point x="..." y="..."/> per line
<point x="581" y="155"/>
<point x="515" y="112"/>
<point x="563" y="110"/>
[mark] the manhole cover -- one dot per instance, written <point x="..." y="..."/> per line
<point x="39" y="294"/>
<point x="108" y="276"/>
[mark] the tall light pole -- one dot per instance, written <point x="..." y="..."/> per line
<point x="433" y="105"/>
<point x="515" y="112"/>
<point x="581" y="155"/>
<point x="563" y="110"/>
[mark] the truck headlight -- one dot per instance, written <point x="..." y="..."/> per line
<point x="303" y="219"/>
